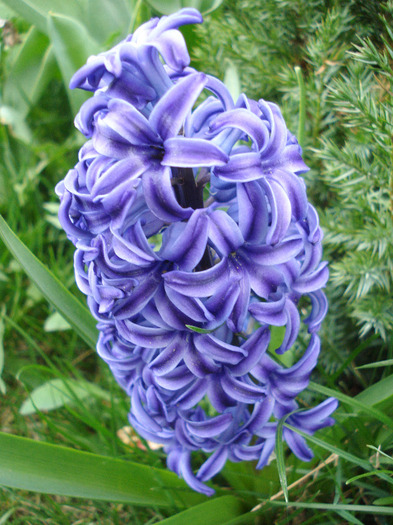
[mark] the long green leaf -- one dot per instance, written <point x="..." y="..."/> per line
<point x="41" y="467"/>
<point x="369" y="509"/>
<point x="35" y="11"/>
<point x="215" y="512"/>
<point x="170" y="6"/>
<point x="380" y="392"/>
<point x="30" y="73"/>
<point x="72" y="45"/>
<point x="53" y="290"/>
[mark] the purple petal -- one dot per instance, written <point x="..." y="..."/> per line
<point x="261" y="414"/>
<point x="214" y="464"/>
<point x="224" y="233"/>
<point x="199" y="364"/>
<point x="121" y="172"/>
<point x="292" y="326"/>
<point x="176" y="379"/>
<point x="84" y="120"/>
<point x="266" y="453"/>
<point x="319" y="308"/>
<point x="243" y="167"/>
<point x="246" y="121"/>
<point x="218" y="350"/>
<point x="190" y="479"/>
<point x="172" y="47"/>
<point x="136" y="300"/>
<point x="191" y="306"/>
<point x="253" y="212"/>
<point x="256" y="345"/>
<point x="192" y="395"/>
<point x="168" y="358"/>
<point x="199" y="284"/>
<point x="271" y="313"/>
<point x="185" y="244"/>
<point x="171" y="110"/>
<point x="313" y="281"/>
<point x="281" y="210"/>
<point x="278" y="254"/>
<point x="160" y="196"/>
<point x="124" y="121"/>
<point x="210" y="427"/>
<point x="133" y="247"/>
<point x="144" y="335"/>
<point x="295" y="188"/>
<point x="298" y="445"/>
<point x="263" y="280"/>
<point x="241" y="391"/>
<point x="187" y="15"/>
<point x="192" y="152"/>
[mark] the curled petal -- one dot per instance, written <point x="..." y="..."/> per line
<point x="213" y="465"/>
<point x="185" y="243"/>
<point x="144" y="335"/>
<point x="242" y="391"/>
<point x="160" y="196"/>
<point x="224" y="233"/>
<point x="171" y="110"/>
<point x="210" y="427"/>
<point x="192" y="152"/>
<point x="199" y="284"/>
<point x="218" y="350"/>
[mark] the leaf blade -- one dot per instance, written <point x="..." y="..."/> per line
<point x="53" y="290"/>
<point x="24" y="465"/>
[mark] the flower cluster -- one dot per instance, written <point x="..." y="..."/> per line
<point x="193" y="238"/>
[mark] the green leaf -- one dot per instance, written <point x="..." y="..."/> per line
<point x="6" y="12"/>
<point x="232" y="80"/>
<point x="52" y="289"/>
<point x="2" y="384"/>
<point x="214" y="512"/>
<point x="368" y="509"/>
<point x="36" y="11"/>
<point x="171" y="6"/>
<point x="199" y="330"/>
<point x="27" y="464"/>
<point x="72" y="46"/>
<point x="32" y="69"/>
<point x="56" y="393"/>
<point x="280" y="458"/>
<point x="378" y="393"/>
<point x="384" y="501"/>
<point x="56" y="323"/>
<point x="378" y="364"/>
<point x="105" y="18"/>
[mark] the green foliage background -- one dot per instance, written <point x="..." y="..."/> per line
<point x="55" y="390"/>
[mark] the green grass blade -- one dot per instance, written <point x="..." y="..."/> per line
<point x="214" y="512"/>
<point x="302" y="106"/>
<point x="41" y="467"/>
<point x="378" y="364"/>
<point x="53" y="290"/>
<point x="369" y="509"/>
<point x="280" y="458"/>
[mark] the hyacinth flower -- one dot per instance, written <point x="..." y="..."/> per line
<point x="194" y="239"/>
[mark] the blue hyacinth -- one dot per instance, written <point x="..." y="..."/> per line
<point x="194" y="237"/>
